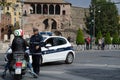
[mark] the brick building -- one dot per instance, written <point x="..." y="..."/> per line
<point x="56" y="16"/>
<point x="47" y="15"/>
<point x="53" y="15"/>
<point x="4" y="24"/>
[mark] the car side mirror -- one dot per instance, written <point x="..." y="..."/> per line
<point x="48" y="45"/>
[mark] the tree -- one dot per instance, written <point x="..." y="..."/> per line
<point x="99" y="36"/>
<point x="105" y="15"/>
<point x="119" y="41"/>
<point x="115" y="38"/>
<point x="80" y="38"/>
<point x="108" y="38"/>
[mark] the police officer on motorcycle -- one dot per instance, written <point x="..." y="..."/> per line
<point x="18" y="45"/>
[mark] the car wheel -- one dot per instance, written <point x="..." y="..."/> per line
<point x="69" y="58"/>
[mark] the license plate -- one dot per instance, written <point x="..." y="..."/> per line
<point x="18" y="71"/>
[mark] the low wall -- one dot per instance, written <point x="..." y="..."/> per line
<point x="95" y="47"/>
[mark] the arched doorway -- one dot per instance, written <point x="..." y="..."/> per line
<point x="54" y="24"/>
<point x="45" y="22"/>
<point x="50" y="24"/>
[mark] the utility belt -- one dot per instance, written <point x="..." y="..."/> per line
<point x="36" y="53"/>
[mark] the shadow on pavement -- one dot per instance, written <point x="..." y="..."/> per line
<point x="97" y="74"/>
<point x="53" y="63"/>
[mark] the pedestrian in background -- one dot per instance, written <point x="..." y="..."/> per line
<point x="99" y="43"/>
<point x="103" y="44"/>
<point x="69" y="38"/>
<point x="87" y="40"/>
<point x="35" y="50"/>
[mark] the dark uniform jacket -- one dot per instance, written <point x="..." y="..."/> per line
<point x="35" y="40"/>
<point x="18" y="45"/>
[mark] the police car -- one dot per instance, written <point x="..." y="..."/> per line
<point x="57" y="48"/>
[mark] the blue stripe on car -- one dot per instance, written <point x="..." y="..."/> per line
<point x="57" y="50"/>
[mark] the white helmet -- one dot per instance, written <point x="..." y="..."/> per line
<point x="18" y="32"/>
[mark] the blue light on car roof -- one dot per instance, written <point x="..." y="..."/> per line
<point x="46" y="33"/>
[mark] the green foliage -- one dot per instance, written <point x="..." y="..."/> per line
<point x="99" y="36"/>
<point x="115" y="38"/>
<point x="119" y="41"/>
<point x="108" y="38"/>
<point x="80" y="37"/>
<point x="106" y="16"/>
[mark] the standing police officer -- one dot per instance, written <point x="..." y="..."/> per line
<point x="35" y="49"/>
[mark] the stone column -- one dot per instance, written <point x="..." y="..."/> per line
<point x="61" y="9"/>
<point x="41" y="8"/>
<point x="49" y="24"/>
<point x="35" y="8"/>
<point x="5" y="37"/>
<point x="0" y="34"/>
<point x="48" y="9"/>
<point x="54" y="9"/>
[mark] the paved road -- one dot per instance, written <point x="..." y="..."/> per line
<point x="88" y="65"/>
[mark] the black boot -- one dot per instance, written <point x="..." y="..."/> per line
<point x="33" y="73"/>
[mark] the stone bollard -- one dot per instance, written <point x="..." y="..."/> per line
<point x="1" y="45"/>
<point x="5" y="37"/>
<point x="26" y="36"/>
<point x="110" y="47"/>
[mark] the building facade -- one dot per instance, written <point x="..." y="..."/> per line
<point x="5" y="21"/>
<point x="79" y="16"/>
<point x="53" y="15"/>
<point x="10" y="14"/>
<point x="14" y="8"/>
<point x="56" y="16"/>
<point x="47" y="15"/>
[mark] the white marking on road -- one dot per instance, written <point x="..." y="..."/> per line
<point x="45" y="72"/>
<point x="53" y="72"/>
<point x="98" y="65"/>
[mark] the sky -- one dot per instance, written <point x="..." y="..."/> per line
<point x="86" y="3"/>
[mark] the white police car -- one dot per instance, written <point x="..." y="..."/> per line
<point x="57" y="48"/>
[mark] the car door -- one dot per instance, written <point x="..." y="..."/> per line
<point x="61" y="46"/>
<point x="56" y="51"/>
<point x="48" y="53"/>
